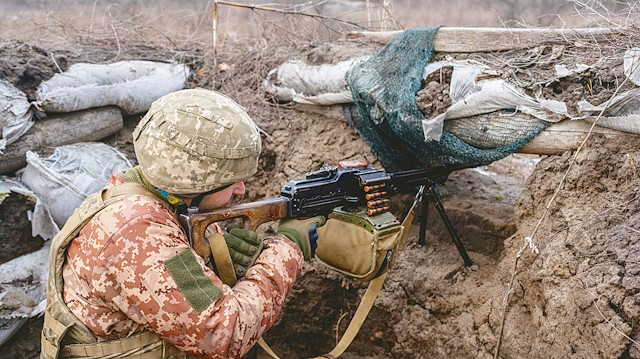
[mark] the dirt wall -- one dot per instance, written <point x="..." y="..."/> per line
<point x="576" y="299"/>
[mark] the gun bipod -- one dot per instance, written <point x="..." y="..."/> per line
<point x="431" y="193"/>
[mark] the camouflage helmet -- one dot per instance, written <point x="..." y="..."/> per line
<point x="194" y="141"/>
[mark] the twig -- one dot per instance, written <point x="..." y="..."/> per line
<point x="505" y="301"/>
<point x="595" y="301"/>
<point x="55" y="62"/>
<point x="93" y="12"/>
<point x="215" y="35"/>
<point x="386" y="4"/>
<point x="631" y="229"/>
<point x="117" y="40"/>
<point x="595" y="304"/>
<point x="546" y="211"/>
<point x="289" y="12"/>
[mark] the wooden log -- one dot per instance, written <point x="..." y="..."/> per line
<point x="62" y="129"/>
<point x="554" y="140"/>
<point x="479" y="39"/>
<point x="564" y="136"/>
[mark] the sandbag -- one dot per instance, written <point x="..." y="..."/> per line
<point x="314" y="85"/>
<point x="130" y="85"/>
<point x="23" y="281"/>
<point x="632" y="65"/>
<point x="15" y="117"/>
<point x="63" y="180"/>
<point x="471" y="94"/>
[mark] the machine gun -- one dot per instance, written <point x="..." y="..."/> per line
<point x="349" y="185"/>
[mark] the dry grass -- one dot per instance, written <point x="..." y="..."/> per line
<point x="174" y="22"/>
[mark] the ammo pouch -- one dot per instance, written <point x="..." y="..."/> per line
<point x="359" y="245"/>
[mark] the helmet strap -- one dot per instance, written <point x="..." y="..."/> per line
<point x="195" y="202"/>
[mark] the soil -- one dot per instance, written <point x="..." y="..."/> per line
<point x="575" y="299"/>
<point x="433" y="98"/>
<point x="15" y="228"/>
<point x="533" y="70"/>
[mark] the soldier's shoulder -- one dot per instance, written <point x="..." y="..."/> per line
<point x="137" y="206"/>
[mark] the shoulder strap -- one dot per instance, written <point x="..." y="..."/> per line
<point x="127" y="189"/>
<point x="222" y="259"/>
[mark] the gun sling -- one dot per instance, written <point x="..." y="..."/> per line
<point x="358" y="318"/>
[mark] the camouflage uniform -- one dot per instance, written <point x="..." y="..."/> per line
<point x="129" y="270"/>
<point x="117" y="282"/>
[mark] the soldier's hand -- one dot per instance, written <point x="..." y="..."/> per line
<point x="303" y="233"/>
<point x="244" y="248"/>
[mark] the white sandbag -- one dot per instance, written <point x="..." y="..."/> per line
<point x="23" y="281"/>
<point x="491" y="95"/>
<point x="621" y="113"/>
<point x="626" y="103"/>
<point x="314" y="85"/>
<point x="15" y="117"/>
<point x="498" y="95"/>
<point x="63" y="180"/>
<point x="130" y="85"/>
<point x="42" y="223"/>
<point x="326" y="85"/>
<point x="629" y="123"/>
<point x="563" y="71"/>
<point x="487" y="96"/>
<point x="631" y="65"/>
<point x="463" y="77"/>
<point x="471" y="98"/>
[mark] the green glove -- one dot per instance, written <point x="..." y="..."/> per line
<point x="244" y="248"/>
<point x="303" y="233"/>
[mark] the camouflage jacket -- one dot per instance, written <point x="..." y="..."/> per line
<point x="131" y="268"/>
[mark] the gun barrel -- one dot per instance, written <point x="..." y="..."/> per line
<point x="427" y="176"/>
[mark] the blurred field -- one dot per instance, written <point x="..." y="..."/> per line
<point x="175" y="22"/>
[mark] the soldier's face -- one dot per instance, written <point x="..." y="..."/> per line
<point x="222" y="198"/>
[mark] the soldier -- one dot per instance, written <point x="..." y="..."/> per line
<point x="124" y="281"/>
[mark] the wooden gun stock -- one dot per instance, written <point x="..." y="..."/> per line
<point x="253" y="215"/>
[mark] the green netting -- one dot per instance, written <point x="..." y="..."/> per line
<point x="384" y="89"/>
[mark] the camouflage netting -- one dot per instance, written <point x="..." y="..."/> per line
<point x="387" y="117"/>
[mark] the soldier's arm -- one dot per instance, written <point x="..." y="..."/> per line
<point x="166" y="287"/>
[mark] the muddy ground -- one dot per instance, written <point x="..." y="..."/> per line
<point x="576" y="298"/>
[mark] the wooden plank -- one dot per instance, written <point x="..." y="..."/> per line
<point x="480" y="39"/>
<point x="564" y="136"/>
<point x="62" y="129"/>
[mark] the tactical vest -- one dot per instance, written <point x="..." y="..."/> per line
<point x="63" y="334"/>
